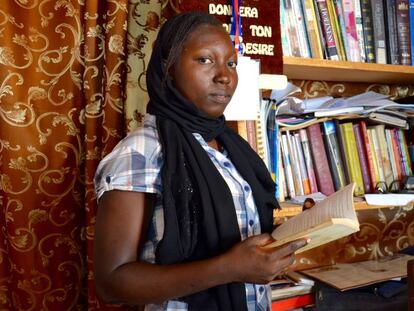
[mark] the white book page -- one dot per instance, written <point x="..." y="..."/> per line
<point x="338" y="205"/>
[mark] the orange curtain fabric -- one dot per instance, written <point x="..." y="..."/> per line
<point x="62" y="67"/>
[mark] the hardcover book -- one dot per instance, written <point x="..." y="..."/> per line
<point x="368" y="30"/>
<point x="379" y="31"/>
<point x="323" y="174"/>
<point x="351" y="154"/>
<point x="334" y="154"/>
<point x="403" y="32"/>
<point x="328" y="32"/>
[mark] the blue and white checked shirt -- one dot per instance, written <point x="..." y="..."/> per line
<point x="134" y="165"/>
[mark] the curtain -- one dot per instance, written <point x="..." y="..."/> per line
<point x="66" y="67"/>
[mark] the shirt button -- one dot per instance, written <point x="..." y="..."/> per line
<point x="261" y="289"/>
<point x="226" y="164"/>
<point x="108" y="179"/>
<point x="246" y="188"/>
<point x="251" y="222"/>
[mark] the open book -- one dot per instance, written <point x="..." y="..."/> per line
<point x="328" y="220"/>
<point x="344" y="276"/>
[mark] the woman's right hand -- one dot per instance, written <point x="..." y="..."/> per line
<point x="250" y="262"/>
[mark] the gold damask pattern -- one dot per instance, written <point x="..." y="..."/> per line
<point x="311" y="89"/>
<point x="62" y="67"/>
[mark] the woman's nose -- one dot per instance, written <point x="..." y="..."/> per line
<point x="222" y="75"/>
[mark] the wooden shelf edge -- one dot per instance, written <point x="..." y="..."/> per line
<point x="289" y="209"/>
<point x="342" y="71"/>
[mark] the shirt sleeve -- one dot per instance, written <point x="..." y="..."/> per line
<point x="134" y="165"/>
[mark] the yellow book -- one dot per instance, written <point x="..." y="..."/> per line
<point x="386" y="163"/>
<point x="377" y="152"/>
<point x="313" y="29"/>
<point x="351" y="154"/>
<point x="328" y="220"/>
<point x="374" y="156"/>
<point x="336" y="30"/>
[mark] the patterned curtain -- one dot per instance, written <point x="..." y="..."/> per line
<point x="63" y="67"/>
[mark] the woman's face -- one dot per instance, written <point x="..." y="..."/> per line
<point x="205" y="72"/>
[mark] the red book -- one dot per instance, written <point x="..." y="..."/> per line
<point x="396" y="154"/>
<point x="293" y="302"/>
<point x="362" y="159"/>
<point x="323" y="174"/>
<point x="368" y="153"/>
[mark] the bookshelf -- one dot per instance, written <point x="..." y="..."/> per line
<point x="343" y="71"/>
<point x="355" y="73"/>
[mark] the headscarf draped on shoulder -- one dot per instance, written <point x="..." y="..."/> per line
<point x="199" y="213"/>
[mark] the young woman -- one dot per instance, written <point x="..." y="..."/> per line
<point x="185" y="205"/>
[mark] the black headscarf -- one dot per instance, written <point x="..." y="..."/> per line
<point x="199" y="213"/>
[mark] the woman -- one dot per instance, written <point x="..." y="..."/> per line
<point x="184" y="200"/>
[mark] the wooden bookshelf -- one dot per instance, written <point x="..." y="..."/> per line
<point x="289" y="209"/>
<point x="342" y="71"/>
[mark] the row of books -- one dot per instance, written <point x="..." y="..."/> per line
<point x="326" y="156"/>
<point x="372" y="31"/>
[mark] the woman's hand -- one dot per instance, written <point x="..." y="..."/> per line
<point x="250" y="262"/>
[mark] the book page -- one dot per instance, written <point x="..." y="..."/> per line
<point x="352" y="275"/>
<point x="327" y="213"/>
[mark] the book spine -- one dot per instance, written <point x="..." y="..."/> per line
<point x="403" y="32"/>
<point x="323" y="175"/>
<point x="333" y="153"/>
<point x="284" y="30"/>
<point x="302" y="164"/>
<point x="379" y="31"/>
<point x="362" y="159"/>
<point x="297" y="177"/>
<point x="391" y="31"/>
<point x="335" y="29"/>
<point x="353" y="159"/>
<point x="301" y="27"/>
<point x="380" y="129"/>
<point x="377" y="152"/>
<point x="368" y="30"/>
<point x="251" y="133"/>
<point x="396" y="153"/>
<point x="388" y="139"/>
<point x="292" y="31"/>
<point x="400" y="143"/>
<point x="331" y="45"/>
<point x="281" y="186"/>
<point x="313" y="29"/>
<point x="368" y="152"/>
<point x="288" y="168"/>
<point x="308" y="160"/>
<point x="339" y="12"/>
<point x="405" y="152"/>
<point x="360" y="30"/>
<point x="341" y="142"/>
<point x="321" y="30"/>
<point x="351" y="32"/>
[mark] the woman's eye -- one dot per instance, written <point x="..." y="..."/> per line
<point x="204" y="60"/>
<point x="232" y="64"/>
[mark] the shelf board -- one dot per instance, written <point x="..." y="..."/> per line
<point x="289" y="209"/>
<point x="341" y="71"/>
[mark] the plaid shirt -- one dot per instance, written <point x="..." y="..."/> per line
<point x="134" y="165"/>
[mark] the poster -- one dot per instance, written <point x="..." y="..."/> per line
<point x="260" y="26"/>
